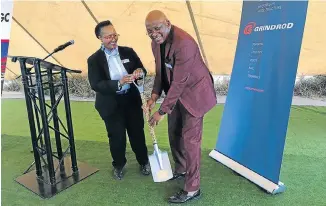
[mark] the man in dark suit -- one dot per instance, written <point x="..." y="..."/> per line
<point x="188" y="85"/>
<point x="111" y="71"/>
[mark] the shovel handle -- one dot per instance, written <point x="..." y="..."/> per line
<point x="140" y="87"/>
<point x="146" y="112"/>
<point x="145" y="109"/>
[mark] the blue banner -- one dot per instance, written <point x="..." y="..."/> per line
<point x="256" y="113"/>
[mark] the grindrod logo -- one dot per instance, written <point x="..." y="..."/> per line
<point x="251" y="26"/>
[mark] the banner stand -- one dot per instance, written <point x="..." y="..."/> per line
<point x="254" y="124"/>
<point x="264" y="183"/>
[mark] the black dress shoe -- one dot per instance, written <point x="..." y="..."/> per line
<point x="182" y="197"/>
<point x="178" y="175"/>
<point x="145" y="169"/>
<point x="118" y="173"/>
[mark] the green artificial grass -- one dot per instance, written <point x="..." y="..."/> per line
<point x="303" y="168"/>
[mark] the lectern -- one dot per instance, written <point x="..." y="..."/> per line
<point x="54" y="171"/>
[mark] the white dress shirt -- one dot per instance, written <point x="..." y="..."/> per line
<point x="116" y="68"/>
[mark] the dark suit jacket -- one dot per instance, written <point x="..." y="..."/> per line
<point x="105" y="88"/>
<point x="192" y="82"/>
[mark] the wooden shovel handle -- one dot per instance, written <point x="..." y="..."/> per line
<point x="146" y="112"/>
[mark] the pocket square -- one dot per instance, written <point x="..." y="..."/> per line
<point x="125" y="61"/>
<point x="169" y="66"/>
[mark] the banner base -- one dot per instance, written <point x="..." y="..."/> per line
<point x="264" y="183"/>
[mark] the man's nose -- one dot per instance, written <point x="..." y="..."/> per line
<point x="154" y="35"/>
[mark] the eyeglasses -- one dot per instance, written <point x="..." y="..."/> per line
<point x="111" y="36"/>
<point x="156" y="29"/>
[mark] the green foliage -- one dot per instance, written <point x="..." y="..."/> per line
<point x="79" y="86"/>
<point x="311" y="87"/>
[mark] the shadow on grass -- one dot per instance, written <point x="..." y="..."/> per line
<point x="309" y="109"/>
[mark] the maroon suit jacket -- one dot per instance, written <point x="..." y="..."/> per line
<point x="192" y="83"/>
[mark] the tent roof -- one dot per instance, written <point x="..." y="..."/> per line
<point x="39" y="27"/>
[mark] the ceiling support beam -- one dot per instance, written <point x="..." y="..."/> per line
<point x="21" y="26"/>
<point x="196" y="30"/>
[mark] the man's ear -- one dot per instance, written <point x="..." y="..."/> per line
<point x="168" y="23"/>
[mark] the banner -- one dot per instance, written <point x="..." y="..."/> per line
<point x="6" y="18"/>
<point x="256" y="113"/>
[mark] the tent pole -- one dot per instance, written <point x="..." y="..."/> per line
<point x="89" y="11"/>
<point x="196" y="30"/>
<point x="29" y="34"/>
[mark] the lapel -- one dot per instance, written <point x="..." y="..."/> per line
<point x="169" y="46"/>
<point x="167" y="71"/>
<point x="104" y="63"/>
<point x="157" y="55"/>
<point x="123" y="55"/>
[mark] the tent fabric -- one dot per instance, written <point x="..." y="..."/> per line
<point x="41" y="26"/>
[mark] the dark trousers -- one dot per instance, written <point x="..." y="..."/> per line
<point x="185" y="135"/>
<point x="127" y="118"/>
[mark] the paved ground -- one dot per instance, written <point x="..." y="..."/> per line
<point x="221" y="99"/>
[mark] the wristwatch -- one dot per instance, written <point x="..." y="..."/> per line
<point x="161" y="112"/>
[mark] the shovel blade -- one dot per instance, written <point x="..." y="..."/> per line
<point x="160" y="174"/>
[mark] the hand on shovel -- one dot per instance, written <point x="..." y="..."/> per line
<point x="155" y="119"/>
<point x="138" y="73"/>
<point x="127" y="79"/>
<point x="149" y="106"/>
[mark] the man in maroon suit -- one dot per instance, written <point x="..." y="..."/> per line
<point x="188" y="85"/>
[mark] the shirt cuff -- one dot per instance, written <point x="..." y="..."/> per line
<point x="161" y="112"/>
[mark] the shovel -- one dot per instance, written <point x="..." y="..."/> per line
<point x="159" y="160"/>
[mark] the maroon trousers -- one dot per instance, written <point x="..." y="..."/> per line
<point x="185" y="135"/>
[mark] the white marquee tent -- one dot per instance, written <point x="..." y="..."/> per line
<point x="40" y="26"/>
